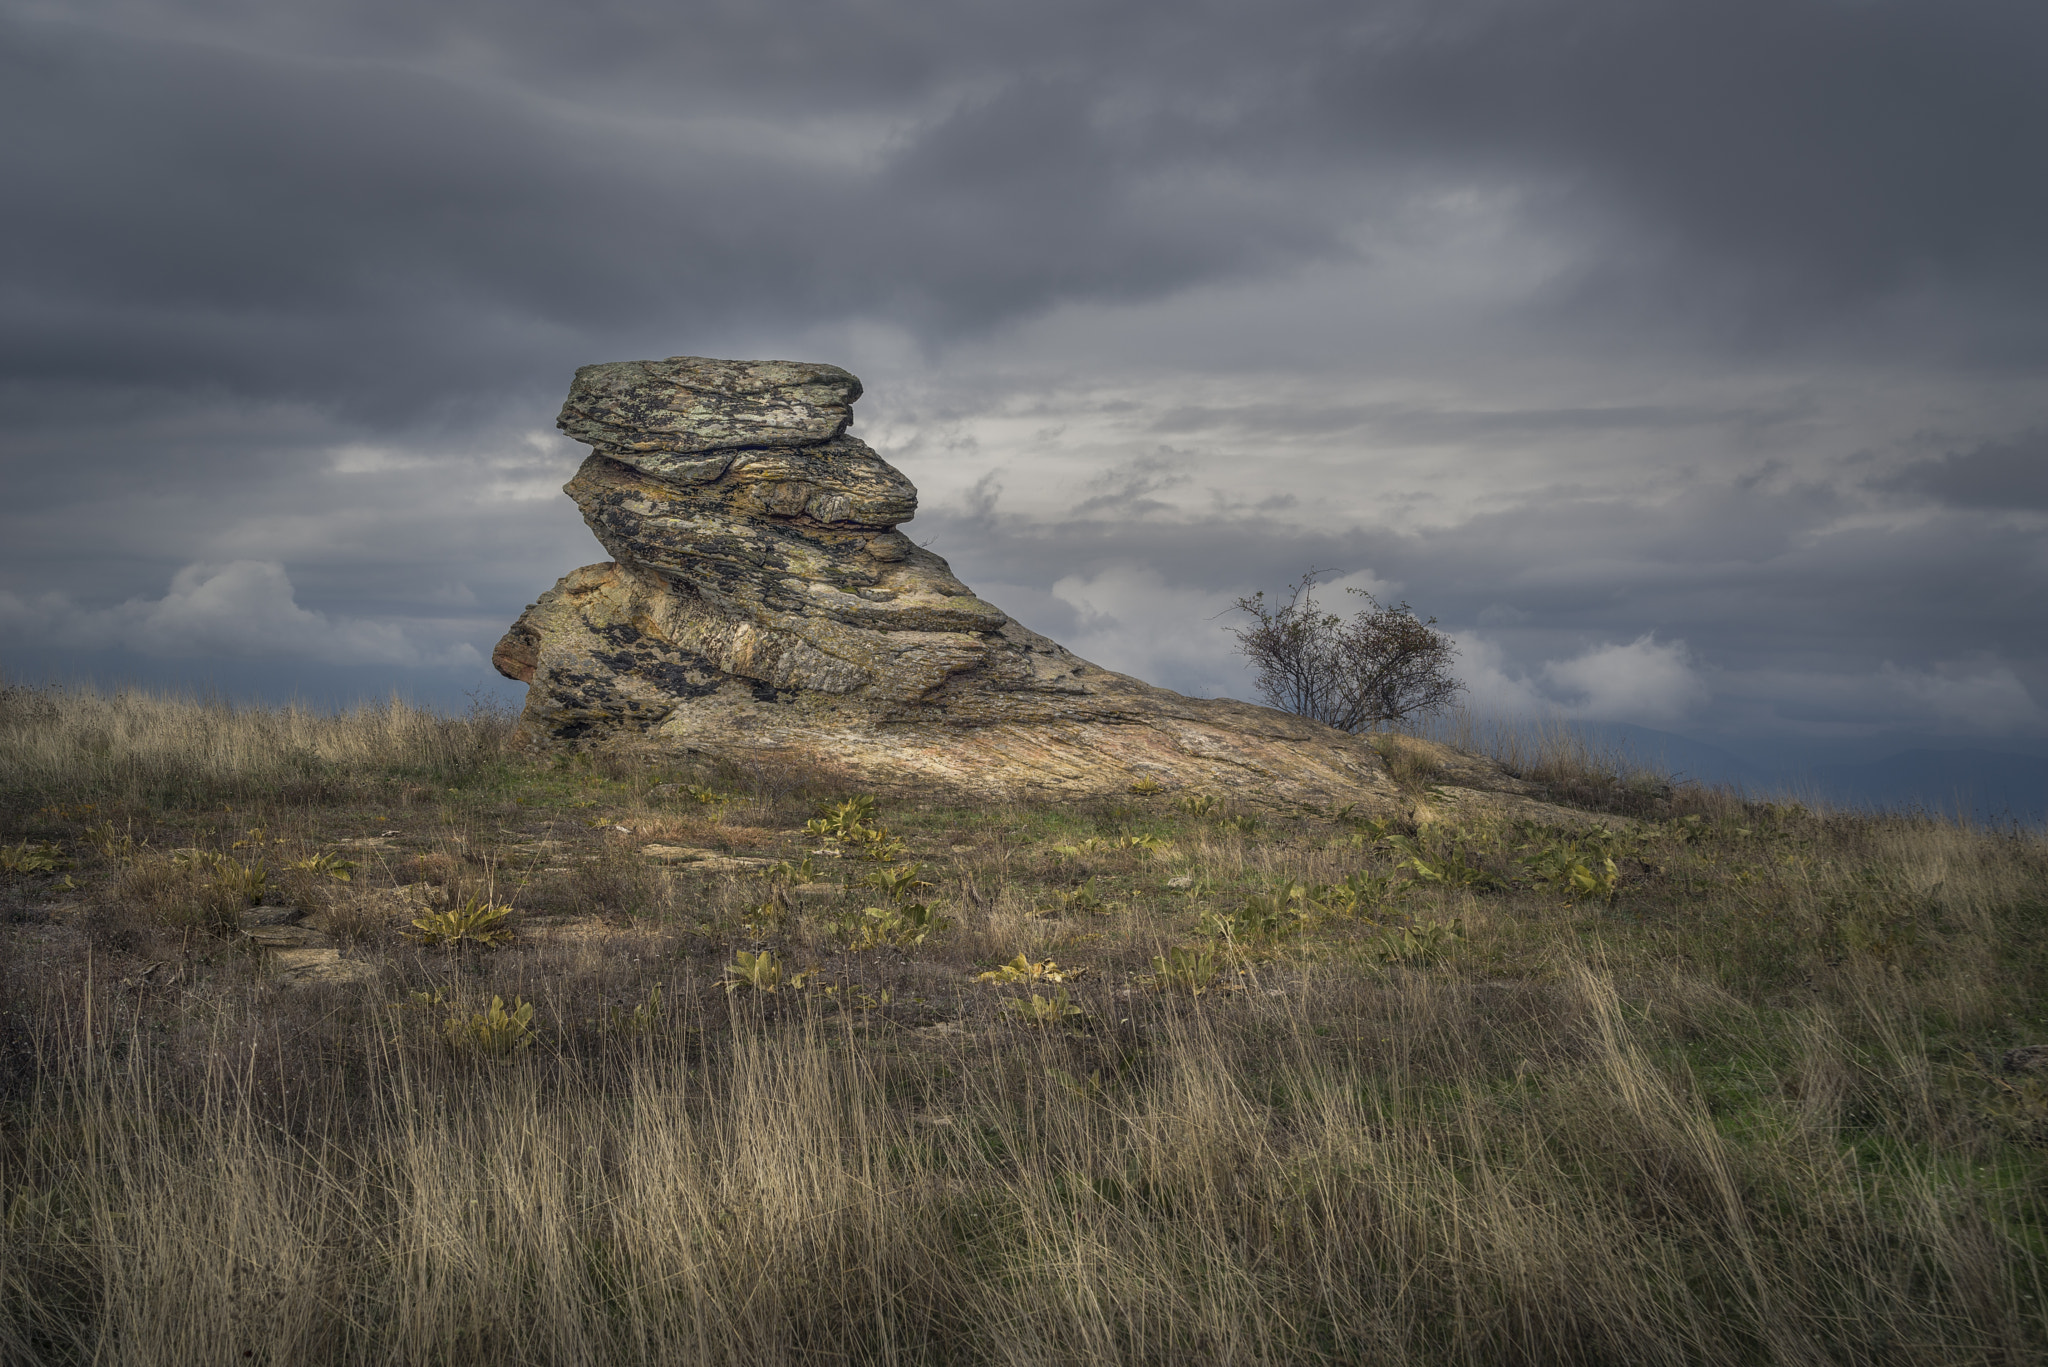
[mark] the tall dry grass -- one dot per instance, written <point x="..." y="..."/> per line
<point x="159" y="750"/>
<point x="1749" y="1110"/>
<point x="1409" y="1169"/>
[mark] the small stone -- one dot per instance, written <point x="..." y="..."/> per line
<point x="270" y="916"/>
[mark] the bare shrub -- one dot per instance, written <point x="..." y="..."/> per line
<point x="1383" y="665"/>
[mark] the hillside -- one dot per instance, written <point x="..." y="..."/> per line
<point x="331" y="1038"/>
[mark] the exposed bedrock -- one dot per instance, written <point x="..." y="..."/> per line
<point x="759" y="600"/>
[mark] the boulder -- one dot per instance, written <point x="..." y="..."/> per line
<point x="760" y="602"/>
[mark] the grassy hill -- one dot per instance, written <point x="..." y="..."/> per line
<point x="347" y="1038"/>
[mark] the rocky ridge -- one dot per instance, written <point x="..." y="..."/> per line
<point x="761" y="601"/>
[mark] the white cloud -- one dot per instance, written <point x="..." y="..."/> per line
<point x="1492" y="688"/>
<point x="1128" y="618"/>
<point x="244" y="609"/>
<point x="1643" y="681"/>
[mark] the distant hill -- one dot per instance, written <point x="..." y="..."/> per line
<point x="1985" y="785"/>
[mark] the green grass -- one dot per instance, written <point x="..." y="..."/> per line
<point x="1750" y="1108"/>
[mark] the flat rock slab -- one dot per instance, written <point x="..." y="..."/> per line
<point x="319" y="965"/>
<point x="689" y="405"/>
<point x="288" y="937"/>
<point x="707" y="861"/>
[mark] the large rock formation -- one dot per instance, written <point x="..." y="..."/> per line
<point x="760" y="600"/>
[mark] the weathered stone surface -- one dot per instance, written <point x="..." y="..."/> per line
<point x="656" y="413"/>
<point x="760" y="602"/>
<point x="311" y="965"/>
<point x="286" y="937"/>
<point x="704" y="861"/>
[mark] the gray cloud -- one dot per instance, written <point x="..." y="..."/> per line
<point x="1679" y="354"/>
<point x="1997" y="475"/>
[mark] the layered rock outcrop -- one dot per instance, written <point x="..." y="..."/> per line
<point x="760" y="600"/>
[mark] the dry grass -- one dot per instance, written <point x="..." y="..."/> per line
<point x="1750" y="1110"/>
<point x="76" y="745"/>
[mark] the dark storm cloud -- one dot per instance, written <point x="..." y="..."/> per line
<point x="1445" y="424"/>
<point x="1767" y="165"/>
<point x="1996" y="475"/>
<point x="314" y="201"/>
<point x="284" y="286"/>
<point x="191" y="212"/>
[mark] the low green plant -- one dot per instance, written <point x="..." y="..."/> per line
<point x="327" y="865"/>
<point x="1360" y="894"/>
<point x="769" y="917"/>
<point x="904" y="925"/>
<point x="644" y="1016"/>
<point x="899" y="882"/>
<point x="246" y="881"/>
<point x="1083" y="900"/>
<point x="857" y="997"/>
<point x="1371" y="827"/>
<point x="849" y="828"/>
<point x="760" y="971"/>
<point x="1260" y="917"/>
<point x="475" y="920"/>
<point x="496" y="1032"/>
<point x="113" y="847"/>
<point x="1023" y="970"/>
<point x="1199" y="805"/>
<point x="1147" y="786"/>
<point x="1186" y="968"/>
<point x="1044" y="1011"/>
<point x="804" y="870"/>
<point x="1428" y="943"/>
<point x="1575" y="871"/>
<point x="843" y="823"/>
<point x="1441" y="861"/>
<point x="1143" y="843"/>
<point x="27" y="858"/>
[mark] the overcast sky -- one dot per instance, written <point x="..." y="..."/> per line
<point x="1686" y="360"/>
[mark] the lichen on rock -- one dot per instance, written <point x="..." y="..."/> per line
<point x="760" y="600"/>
